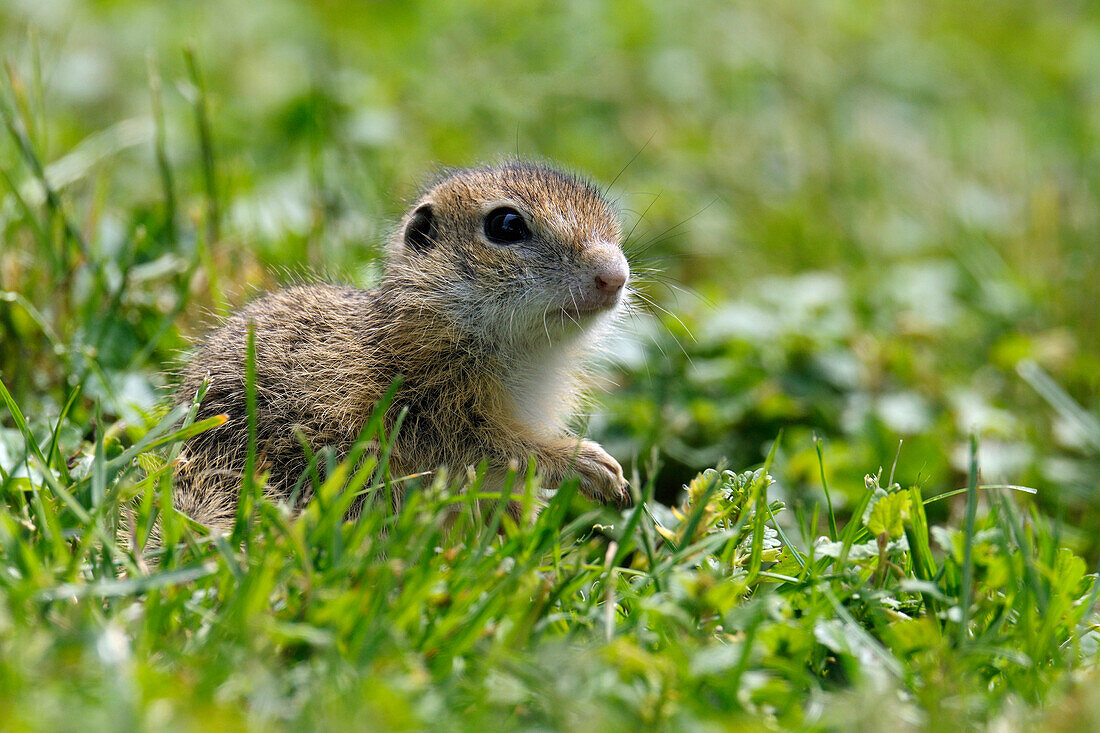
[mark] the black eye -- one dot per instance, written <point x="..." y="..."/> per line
<point x="506" y="226"/>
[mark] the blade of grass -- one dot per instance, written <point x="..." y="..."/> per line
<point x="760" y="501"/>
<point x="819" y="447"/>
<point x="206" y="146"/>
<point x="982" y="487"/>
<point x="155" y="439"/>
<point x="967" y="580"/>
<point x="1013" y="526"/>
<point x="784" y="539"/>
<point x="17" y="129"/>
<point x="916" y="531"/>
<point x="249" y="486"/>
<point x="1084" y="422"/>
<point x="127" y="587"/>
<point x="62" y="467"/>
<point x="160" y="150"/>
<point x="21" y="424"/>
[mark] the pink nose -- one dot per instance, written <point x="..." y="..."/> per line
<point x="611" y="275"/>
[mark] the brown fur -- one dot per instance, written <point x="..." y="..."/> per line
<point x="489" y="341"/>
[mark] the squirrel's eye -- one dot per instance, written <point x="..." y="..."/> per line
<point x="506" y="226"/>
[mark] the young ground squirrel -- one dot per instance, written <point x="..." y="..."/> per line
<point x="498" y="283"/>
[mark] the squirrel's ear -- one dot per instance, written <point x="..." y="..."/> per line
<point x="420" y="231"/>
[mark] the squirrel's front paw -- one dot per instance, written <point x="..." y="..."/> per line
<point x="601" y="476"/>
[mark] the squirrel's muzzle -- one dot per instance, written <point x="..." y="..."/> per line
<point x="605" y="273"/>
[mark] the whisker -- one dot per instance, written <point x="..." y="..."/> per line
<point x="666" y="236"/>
<point x="674" y="227"/>
<point x="545" y="327"/>
<point x="629" y="162"/>
<point x="674" y="288"/>
<point x="640" y="219"/>
<point x="654" y="338"/>
<point x="573" y="298"/>
<point x="670" y="333"/>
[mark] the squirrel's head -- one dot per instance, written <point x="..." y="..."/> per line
<point x="517" y="253"/>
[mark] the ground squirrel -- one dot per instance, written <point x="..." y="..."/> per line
<point x="498" y="283"/>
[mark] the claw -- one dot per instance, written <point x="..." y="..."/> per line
<point x="601" y="475"/>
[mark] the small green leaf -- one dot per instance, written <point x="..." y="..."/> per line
<point x="888" y="515"/>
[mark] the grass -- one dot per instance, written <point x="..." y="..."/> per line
<point x="885" y="239"/>
<point x="448" y="614"/>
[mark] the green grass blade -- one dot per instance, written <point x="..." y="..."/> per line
<point x="819" y="447"/>
<point x="966" y="583"/>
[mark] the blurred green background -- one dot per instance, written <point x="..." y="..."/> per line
<point x="876" y="222"/>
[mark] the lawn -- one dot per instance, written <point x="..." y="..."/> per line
<point x="863" y="411"/>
